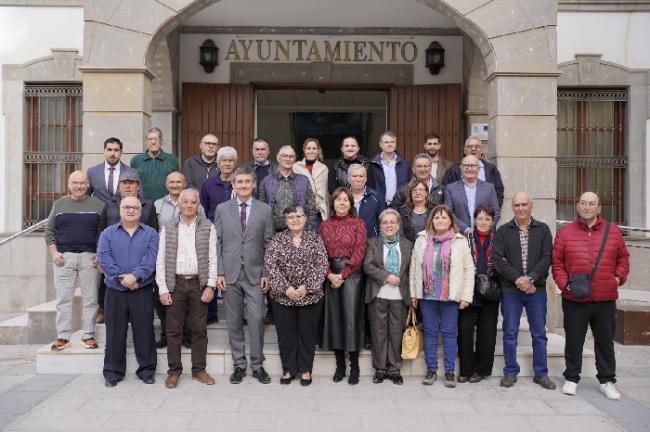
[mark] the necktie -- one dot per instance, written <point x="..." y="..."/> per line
<point x="111" y="170"/>
<point x="242" y="215"/>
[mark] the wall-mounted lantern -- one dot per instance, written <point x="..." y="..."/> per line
<point x="209" y="55"/>
<point x="435" y="57"/>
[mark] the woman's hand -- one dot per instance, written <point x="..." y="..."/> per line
<point x="291" y="293"/>
<point x="335" y="279"/>
<point x="301" y="292"/>
<point x="463" y="304"/>
<point x="414" y="302"/>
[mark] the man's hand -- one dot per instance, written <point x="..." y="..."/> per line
<point x="393" y="280"/>
<point x="208" y="295"/>
<point x="166" y="299"/>
<point x="221" y="283"/>
<point x="264" y="283"/>
<point x="95" y="262"/>
<point x="618" y="280"/>
<point x="129" y="281"/>
<point x="57" y="259"/>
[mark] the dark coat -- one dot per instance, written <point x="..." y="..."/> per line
<point x="407" y="226"/>
<point x="196" y="171"/>
<point x="456" y="200"/>
<point x="575" y="251"/>
<point x="111" y="214"/>
<point x="369" y="209"/>
<point x="506" y="254"/>
<point x="338" y="174"/>
<point x="437" y="194"/>
<point x="492" y="175"/>
<point x="401" y="171"/>
<point x="376" y="274"/>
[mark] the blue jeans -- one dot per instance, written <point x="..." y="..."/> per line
<point x="512" y="305"/>
<point x="439" y="317"/>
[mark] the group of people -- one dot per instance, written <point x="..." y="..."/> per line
<point x="335" y="257"/>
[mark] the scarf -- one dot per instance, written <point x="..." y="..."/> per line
<point x="482" y="252"/>
<point x="391" y="264"/>
<point x="436" y="263"/>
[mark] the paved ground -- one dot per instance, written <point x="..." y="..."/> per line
<point x="81" y="402"/>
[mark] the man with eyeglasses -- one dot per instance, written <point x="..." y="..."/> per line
<point x="285" y="188"/>
<point x="71" y="237"/>
<point x="463" y="196"/>
<point x="487" y="172"/>
<point x="202" y="166"/>
<point x="575" y="251"/>
<point x="421" y="169"/>
<point x="127" y="253"/>
<point x="261" y="165"/>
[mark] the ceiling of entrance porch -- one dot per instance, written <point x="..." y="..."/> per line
<point x="319" y="13"/>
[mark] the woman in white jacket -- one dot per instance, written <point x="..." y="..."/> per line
<point x="442" y="282"/>
<point x="316" y="171"/>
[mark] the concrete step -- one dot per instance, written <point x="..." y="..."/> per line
<point x="14" y="331"/>
<point x="219" y="362"/>
<point x="42" y="320"/>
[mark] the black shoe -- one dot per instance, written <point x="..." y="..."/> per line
<point x="286" y="381"/>
<point x="262" y="376"/>
<point x="149" y="380"/>
<point x="475" y="378"/>
<point x="305" y="381"/>
<point x="430" y="377"/>
<point x="396" y="378"/>
<point x="508" y="381"/>
<point x="462" y="379"/>
<point x="339" y="374"/>
<point x="187" y="344"/>
<point x="544" y="381"/>
<point x="213" y="320"/>
<point x="110" y="382"/>
<point x="379" y="377"/>
<point x="237" y="376"/>
<point x="354" y="376"/>
<point x="162" y="343"/>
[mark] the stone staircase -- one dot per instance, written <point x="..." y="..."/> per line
<point x="219" y="363"/>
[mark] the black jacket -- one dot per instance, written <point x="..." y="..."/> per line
<point x="196" y="171"/>
<point x="506" y="255"/>
<point x="492" y="175"/>
<point x="436" y="195"/>
<point x="338" y="174"/>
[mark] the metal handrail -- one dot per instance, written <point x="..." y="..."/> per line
<point x="25" y="231"/>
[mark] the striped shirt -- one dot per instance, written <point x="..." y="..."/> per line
<point x="153" y="172"/>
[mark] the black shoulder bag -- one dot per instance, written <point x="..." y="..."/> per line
<point x="580" y="283"/>
<point x="485" y="287"/>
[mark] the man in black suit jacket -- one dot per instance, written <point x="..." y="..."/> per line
<point x="104" y="177"/>
<point x="488" y="172"/>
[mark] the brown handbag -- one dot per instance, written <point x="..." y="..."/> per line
<point x="412" y="343"/>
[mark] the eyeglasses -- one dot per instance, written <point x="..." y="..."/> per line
<point x="294" y="217"/>
<point x="470" y="166"/>
<point x="419" y="191"/>
<point x="286" y="156"/>
<point x="588" y="204"/>
<point x="130" y="208"/>
<point x="473" y="146"/>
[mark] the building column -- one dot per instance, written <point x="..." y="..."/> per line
<point x="523" y="136"/>
<point x="117" y="103"/>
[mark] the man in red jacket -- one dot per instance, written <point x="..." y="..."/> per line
<point x="575" y="251"/>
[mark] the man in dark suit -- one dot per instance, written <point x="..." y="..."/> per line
<point x="244" y="227"/>
<point x="463" y="196"/>
<point x="487" y="171"/>
<point x="104" y="177"/>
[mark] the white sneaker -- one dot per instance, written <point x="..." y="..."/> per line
<point x="610" y="391"/>
<point x="570" y="388"/>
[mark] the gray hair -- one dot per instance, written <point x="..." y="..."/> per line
<point x="156" y="130"/>
<point x="421" y="156"/>
<point x="226" y="152"/>
<point x="473" y="137"/>
<point x="189" y="191"/>
<point x="245" y="171"/>
<point x="357" y="167"/>
<point x="286" y="147"/>
<point x="389" y="212"/>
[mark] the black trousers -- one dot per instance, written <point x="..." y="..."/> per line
<point x="601" y="317"/>
<point x="477" y="358"/>
<point x="120" y="307"/>
<point x="297" y="328"/>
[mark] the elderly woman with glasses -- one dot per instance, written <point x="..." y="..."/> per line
<point x="296" y="263"/>
<point x="218" y="189"/>
<point x="387" y="295"/>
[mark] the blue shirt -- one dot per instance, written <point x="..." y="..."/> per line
<point x="120" y="253"/>
<point x="390" y="176"/>
<point x="470" y="192"/>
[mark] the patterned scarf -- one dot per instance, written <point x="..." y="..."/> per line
<point x="486" y="248"/>
<point x="392" y="258"/>
<point x="436" y="263"/>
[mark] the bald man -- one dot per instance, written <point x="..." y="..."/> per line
<point x="71" y="237"/>
<point x="202" y="166"/>
<point x="576" y="252"/>
<point x="521" y="253"/>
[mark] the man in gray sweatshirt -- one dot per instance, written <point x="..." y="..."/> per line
<point x="202" y="166"/>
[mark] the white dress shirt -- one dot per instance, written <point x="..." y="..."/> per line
<point x="116" y="176"/>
